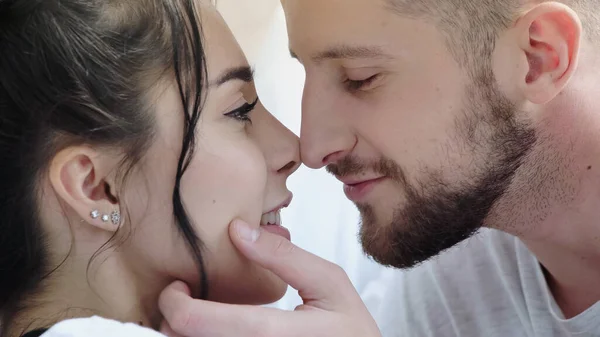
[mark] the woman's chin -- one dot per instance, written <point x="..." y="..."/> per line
<point x="274" y="293"/>
<point x="270" y="291"/>
<point x="266" y="290"/>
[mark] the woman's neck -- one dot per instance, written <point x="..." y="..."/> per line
<point x="108" y="289"/>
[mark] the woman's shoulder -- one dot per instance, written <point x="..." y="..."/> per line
<point x="98" y="327"/>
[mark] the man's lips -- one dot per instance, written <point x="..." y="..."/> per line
<point x="352" y="181"/>
<point x="357" y="189"/>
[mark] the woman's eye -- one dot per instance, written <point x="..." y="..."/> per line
<point x="242" y="113"/>
<point x="355" y="85"/>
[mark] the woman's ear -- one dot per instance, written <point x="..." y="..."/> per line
<point x="549" y="36"/>
<point x="81" y="178"/>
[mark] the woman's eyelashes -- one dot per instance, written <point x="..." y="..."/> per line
<point x="242" y="113"/>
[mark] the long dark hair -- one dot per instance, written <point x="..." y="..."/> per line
<point x="79" y="72"/>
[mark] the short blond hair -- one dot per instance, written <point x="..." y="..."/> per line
<point x="472" y="26"/>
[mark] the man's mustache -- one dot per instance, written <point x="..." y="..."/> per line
<point x="348" y="166"/>
<point x="351" y="165"/>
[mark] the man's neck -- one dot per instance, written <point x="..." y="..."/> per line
<point x="572" y="273"/>
<point x="567" y="240"/>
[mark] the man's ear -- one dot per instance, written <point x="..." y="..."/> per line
<point x="549" y="34"/>
<point x="81" y="178"/>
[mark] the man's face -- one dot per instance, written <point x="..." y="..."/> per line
<point x="424" y="147"/>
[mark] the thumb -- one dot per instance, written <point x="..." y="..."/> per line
<point x="320" y="283"/>
<point x="179" y="287"/>
<point x="166" y="330"/>
<point x="174" y="301"/>
<point x="177" y="290"/>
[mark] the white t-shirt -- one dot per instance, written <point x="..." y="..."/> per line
<point x="489" y="286"/>
<point x="98" y="327"/>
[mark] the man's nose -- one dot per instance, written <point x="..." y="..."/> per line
<point x="325" y="136"/>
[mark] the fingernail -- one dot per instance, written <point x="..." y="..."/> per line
<point x="245" y="232"/>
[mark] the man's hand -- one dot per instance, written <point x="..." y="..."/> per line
<point x="331" y="306"/>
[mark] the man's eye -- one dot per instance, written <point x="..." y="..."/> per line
<point x="355" y="85"/>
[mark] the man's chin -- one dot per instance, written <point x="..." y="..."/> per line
<point x="378" y="240"/>
<point x="399" y="244"/>
<point x="388" y="252"/>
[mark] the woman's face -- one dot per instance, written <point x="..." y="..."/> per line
<point x="239" y="170"/>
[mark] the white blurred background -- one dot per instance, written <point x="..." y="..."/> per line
<point x="320" y="218"/>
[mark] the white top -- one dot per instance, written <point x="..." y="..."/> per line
<point x="98" y="327"/>
<point x="489" y="286"/>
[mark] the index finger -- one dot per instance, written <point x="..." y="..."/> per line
<point x="320" y="283"/>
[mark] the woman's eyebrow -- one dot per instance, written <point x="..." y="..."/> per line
<point x="241" y="73"/>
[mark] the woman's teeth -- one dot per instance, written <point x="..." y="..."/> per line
<point x="271" y="218"/>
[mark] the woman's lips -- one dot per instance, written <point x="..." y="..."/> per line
<point x="271" y="221"/>
<point x="278" y="230"/>
<point x="284" y="204"/>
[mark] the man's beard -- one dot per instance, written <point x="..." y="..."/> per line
<point x="437" y="215"/>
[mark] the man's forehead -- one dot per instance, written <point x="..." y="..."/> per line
<point x="308" y="9"/>
<point x="347" y="51"/>
<point x="336" y="29"/>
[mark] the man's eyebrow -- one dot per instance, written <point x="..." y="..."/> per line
<point x="242" y="73"/>
<point x="348" y="52"/>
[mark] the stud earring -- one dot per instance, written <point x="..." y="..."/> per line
<point x="94" y="214"/>
<point x="104" y="218"/>
<point x="115" y="217"/>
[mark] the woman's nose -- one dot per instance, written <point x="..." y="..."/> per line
<point x="280" y="146"/>
<point x="286" y="159"/>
